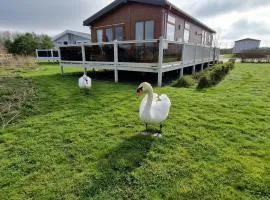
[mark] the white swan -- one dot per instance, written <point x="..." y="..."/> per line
<point x="154" y="109"/>
<point x="85" y="82"/>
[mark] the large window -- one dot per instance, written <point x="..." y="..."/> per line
<point x="170" y="32"/>
<point x="186" y="32"/>
<point x="171" y="28"/>
<point x="119" y="33"/>
<point x="149" y="30"/>
<point x="144" y="30"/>
<point x="209" y="39"/>
<point x="139" y="31"/>
<point x="99" y="35"/>
<point x="206" y="38"/>
<point x="109" y="35"/>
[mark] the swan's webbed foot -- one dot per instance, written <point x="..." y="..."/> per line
<point x="146" y="131"/>
<point x="159" y="134"/>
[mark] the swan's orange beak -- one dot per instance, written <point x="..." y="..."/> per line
<point x="139" y="92"/>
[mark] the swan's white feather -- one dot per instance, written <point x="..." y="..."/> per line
<point x="85" y="82"/>
<point x="159" y="109"/>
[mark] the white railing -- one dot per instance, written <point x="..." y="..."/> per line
<point x="50" y="55"/>
<point x="157" y="56"/>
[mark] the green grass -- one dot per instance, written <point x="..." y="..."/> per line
<point x="216" y="142"/>
<point x="228" y="55"/>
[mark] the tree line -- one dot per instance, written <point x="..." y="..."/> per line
<point x="27" y="43"/>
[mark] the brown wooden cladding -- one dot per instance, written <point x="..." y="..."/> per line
<point x="127" y="16"/>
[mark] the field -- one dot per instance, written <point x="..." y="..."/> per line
<point x="74" y="145"/>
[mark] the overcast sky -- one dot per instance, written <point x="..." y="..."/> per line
<point x="232" y="19"/>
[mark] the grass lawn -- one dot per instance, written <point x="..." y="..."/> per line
<point x="216" y="142"/>
<point x="228" y="55"/>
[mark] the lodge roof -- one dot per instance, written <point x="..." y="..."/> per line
<point x="118" y="3"/>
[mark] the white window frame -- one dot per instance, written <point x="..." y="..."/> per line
<point x="202" y="36"/>
<point x="171" y="21"/>
<point x="102" y="31"/>
<point x="187" y="26"/>
<point x="186" y="30"/>
<point x="143" y="34"/>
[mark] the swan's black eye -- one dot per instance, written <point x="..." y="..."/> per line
<point x="139" y="89"/>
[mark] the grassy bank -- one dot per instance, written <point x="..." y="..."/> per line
<point x="215" y="146"/>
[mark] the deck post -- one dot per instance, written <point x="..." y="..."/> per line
<point x="160" y="60"/>
<point x="209" y="59"/>
<point x="202" y="67"/>
<point x="115" y="61"/>
<point x="193" y="69"/>
<point x="83" y="60"/>
<point x="37" y="55"/>
<point x="195" y="54"/>
<point x="51" y="55"/>
<point x="61" y="66"/>
<point x="181" y="72"/>
<point x="62" y="69"/>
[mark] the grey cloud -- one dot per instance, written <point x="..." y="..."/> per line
<point x="46" y="15"/>
<point x="209" y="8"/>
<point x="244" y="27"/>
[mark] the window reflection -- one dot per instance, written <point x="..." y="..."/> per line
<point x="139" y="31"/>
<point x="149" y="30"/>
<point x="119" y="33"/>
<point x="170" y="32"/>
<point x="99" y="35"/>
<point x="144" y="30"/>
<point x="109" y="36"/>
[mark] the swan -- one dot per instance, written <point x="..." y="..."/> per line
<point x="85" y="82"/>
<point x="154" y="109"/>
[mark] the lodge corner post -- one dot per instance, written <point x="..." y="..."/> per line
<point x="160" y="60"/>
<point x="83" y="60"/>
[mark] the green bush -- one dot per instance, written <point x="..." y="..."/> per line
<point x="214" y="75"/>
<point x="232" y="60"/>
<point x="26" y="44"/>
<point x="185" y="81"/>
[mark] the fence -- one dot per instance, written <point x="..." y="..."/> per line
<point x="260" y="55"/>
<point x="48" y="55"/>
<point x="156" y="56"/>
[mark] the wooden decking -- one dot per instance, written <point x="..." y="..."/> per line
<point x="155" y="56"/>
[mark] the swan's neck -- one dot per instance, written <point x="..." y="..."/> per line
<point x="149" y="98"/>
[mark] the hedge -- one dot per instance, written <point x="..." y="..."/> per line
<point x="185" y="81"/>
<point x="214" y="75"/>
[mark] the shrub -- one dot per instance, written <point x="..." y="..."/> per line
<point x="185" y="81"/>
<point x="214" y="75"/>
<point x="26" y="44"/>
<point x="232" y="60"/>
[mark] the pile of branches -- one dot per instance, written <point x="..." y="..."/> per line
<point x="16" y="101"/>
